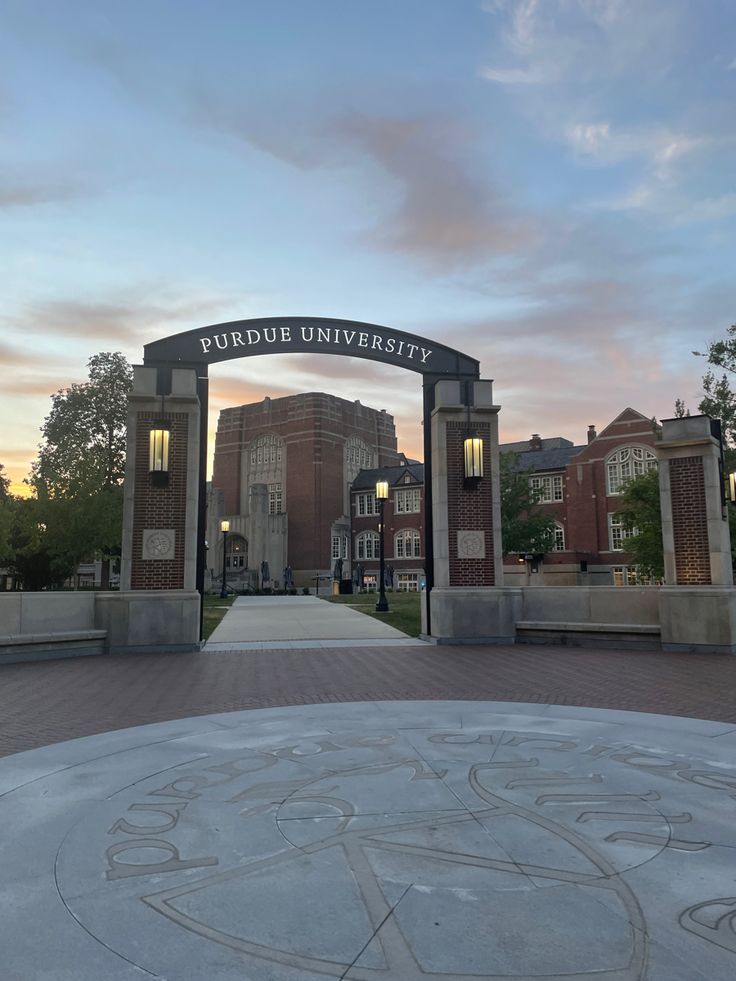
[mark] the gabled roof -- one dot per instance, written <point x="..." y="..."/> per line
<point x="366" y="479"/>
<point x="628" y="415"/>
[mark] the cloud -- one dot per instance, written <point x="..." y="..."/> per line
<point x="658" y="146"/>
<point x="229" y="390"/>
<point x="116" y="319"/>
<point x="552" y="41"/>
<point x="13" y="357"/>
<point x="15" y="193"/>
<point x="446" y="214"/>
<point x="415" y="172"/>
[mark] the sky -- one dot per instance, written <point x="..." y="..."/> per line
<point x="546" y="185"/>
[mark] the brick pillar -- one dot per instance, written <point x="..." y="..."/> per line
<point x="697" y="607"/>
<point x="466" y="517"/>
<point x="160" y="519"/>
<point x="695" y="534"/>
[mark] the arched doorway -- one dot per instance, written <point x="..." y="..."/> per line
<point x="171" y="397"/>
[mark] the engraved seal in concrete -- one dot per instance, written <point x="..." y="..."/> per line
<point x="471" y="545"/>
<point x="406" y="844"/>
<point x="159" y="543"/>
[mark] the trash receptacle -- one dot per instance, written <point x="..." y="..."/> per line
<point x="346" y="587"/>
<point x="335" y="587"/>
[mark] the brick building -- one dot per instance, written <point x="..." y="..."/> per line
<point x="403" y="516"/>
<point x="581" y="487"/>
<point x="282" y="475"/>
<point x="296" y="478"/>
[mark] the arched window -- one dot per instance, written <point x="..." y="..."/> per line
<point x="407" y="544"/>
<point x="559" y="538"/>
<point x="266" y="451"/>
<point x="358" y="456"/>
<point x="367" y="545"/>
<point x="626" y="463"/>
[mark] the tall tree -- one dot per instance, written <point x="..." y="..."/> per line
<point x="719" y="399"/>
<point x="83" y="449"/>
<point x="81" y="464"/>
<point x="524" y="526"/>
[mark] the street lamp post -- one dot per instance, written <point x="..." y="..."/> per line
<point x="381" y="497"/>
<point x="224" y="528"/>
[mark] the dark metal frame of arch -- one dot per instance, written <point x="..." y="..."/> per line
<point x="309" y="335"/>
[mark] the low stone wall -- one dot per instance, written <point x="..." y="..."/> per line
<point x="35" y="626"/>
<point x="697" y="619"/>
<point x="42" y="613"/>
<point x="591" y="604"/>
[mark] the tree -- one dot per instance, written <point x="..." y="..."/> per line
<point x="641" y="516"/>
<point x="84" y="434"/>
<point x="81" y="464"/>
<point x="524" y="526"/>
<point x="719" y="400"/>
<point x="6" y="518"/>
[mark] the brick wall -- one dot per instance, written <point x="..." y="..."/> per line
<point x="689" y="521"/>
<point x="160" y="507"/>
<point x="314" y="427"/>
<point x="469" y="509"/>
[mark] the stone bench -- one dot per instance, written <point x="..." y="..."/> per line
<point x="633" y="636"/>
<point x="43" y="646"/>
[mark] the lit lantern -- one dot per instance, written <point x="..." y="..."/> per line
<point x="473" y="447"/>
<point x="159" y="451"/>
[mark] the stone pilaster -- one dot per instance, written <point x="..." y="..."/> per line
<point x="695" y="534"/>
<point x="466" y="516"/>
<point x="697" y="607"/>
<point x="160" y="519"/>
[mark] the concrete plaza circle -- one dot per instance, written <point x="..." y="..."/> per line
<point x="375" y="840"/>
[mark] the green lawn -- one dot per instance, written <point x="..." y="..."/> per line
<point x="404" y="612"/>
<point x="214" y="610"/>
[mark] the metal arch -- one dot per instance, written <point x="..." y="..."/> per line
<point x="311" y="335"/>
<point x="435" y="362"/>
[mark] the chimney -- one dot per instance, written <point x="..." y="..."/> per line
<point x="535" y="443"/>
<point x="591" y="433"/>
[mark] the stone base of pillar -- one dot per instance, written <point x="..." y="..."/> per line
<point x="142" y="621"/>
<point x="698" y="620"/>
<point x="485" y="615"/>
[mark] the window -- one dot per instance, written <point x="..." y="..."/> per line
<point x="358" y="455"/>
<point x="366" y="504"/>
<point x="406" y="501"/>
<point x="407" y="582"/>
<point x="265" y="451"/>
<point x="367" y="545"/>
<point x="629" y="575"/>
<point x="617" y="534"/>
<point x="407" y="544"/>
<point x="549" y="488"/>
<point x="237" y="552"/>
<point x="275" y="499"/>
<point x="559" y="540"/>
<point x="625" y="464"/>
<point x="339" y="547"/>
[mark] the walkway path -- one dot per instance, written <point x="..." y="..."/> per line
<point x="290" y="622"/>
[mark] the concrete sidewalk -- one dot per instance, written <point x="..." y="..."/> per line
<point x="290" y="622"/>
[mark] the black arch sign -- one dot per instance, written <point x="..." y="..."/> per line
<point x="312" y="335"/>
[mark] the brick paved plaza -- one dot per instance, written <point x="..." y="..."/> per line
<point x="50" y="701"/>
